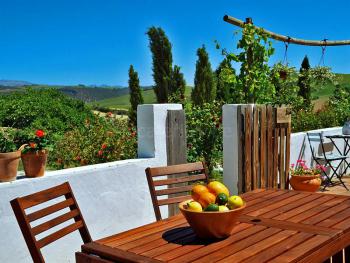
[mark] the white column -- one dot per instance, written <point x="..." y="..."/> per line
<point x="151" y="129"/>
<point x="230" y="146"/>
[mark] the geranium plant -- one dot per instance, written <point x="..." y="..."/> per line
<point x="8" y="140"/>
<point x="37" y="143"/>
<point x="301" y="169"/>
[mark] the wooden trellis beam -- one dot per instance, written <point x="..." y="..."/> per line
<point x="291" y="40"/>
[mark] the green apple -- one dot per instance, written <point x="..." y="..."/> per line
<point x="235" y="201"/>
<point x="223" y="208"/>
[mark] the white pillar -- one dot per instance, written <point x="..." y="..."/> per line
<point x="230" y="146"/>
<point x="151" y="129"/>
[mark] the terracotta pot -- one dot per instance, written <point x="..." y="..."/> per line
<point x="34" y="163"/>
<point x="212" y="224"/>
<point x="305" y="183"/>
<point x="9" y="165"/>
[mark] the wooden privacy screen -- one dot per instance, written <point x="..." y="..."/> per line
<point x="264" y="147"/>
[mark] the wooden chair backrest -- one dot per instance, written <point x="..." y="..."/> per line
<point x="180" y="173"/>
<point x="19" y="205"/>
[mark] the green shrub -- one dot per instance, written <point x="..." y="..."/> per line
<point x="204" y="133"/>
<point x="100" y="140"/>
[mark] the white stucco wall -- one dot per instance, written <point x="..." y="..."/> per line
<point x="113" y="197"/>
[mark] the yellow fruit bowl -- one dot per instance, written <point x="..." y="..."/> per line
<point x="211" y="224"/>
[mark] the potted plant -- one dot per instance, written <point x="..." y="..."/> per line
<point x="34" y="155"/>
<point x="304" y="178"/>
<point x="9" y="155"/>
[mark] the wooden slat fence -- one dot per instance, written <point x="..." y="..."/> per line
<point x="264" y="147"/>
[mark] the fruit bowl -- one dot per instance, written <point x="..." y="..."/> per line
<point x="211" y="224"/>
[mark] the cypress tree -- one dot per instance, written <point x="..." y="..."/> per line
<point x="204" y="83"/>
<point x="178" y="86"/>
<point x="162" y="62"/>
<point x="222" y="88"/>
<point x="135" y="95"/>
<point x="304" y="82"/>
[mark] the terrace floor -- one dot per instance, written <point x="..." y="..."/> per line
<point x="339" y="189"/>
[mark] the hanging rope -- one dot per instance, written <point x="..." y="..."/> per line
<point x="285" y="58"/>
<point x="324" y="46"/>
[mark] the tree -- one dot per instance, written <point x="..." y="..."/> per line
<point x="135" y="95"/>
<point x="304" y="82"/>
<point x="162" y="62"/>
<point x="204" y="82"/>
<point x="178" y="87"/>
<point x="223" y="87"/>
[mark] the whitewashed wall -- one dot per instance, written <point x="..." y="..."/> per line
<point x="113" y="197"/>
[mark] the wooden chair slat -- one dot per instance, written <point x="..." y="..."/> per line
<point x="173" y="200"/>
<point x="60" y="233"/>
<point x="44" y="196"/>
<point x="50" y="209"/>
<point x="85" y="258"/>
<point x="178" y="176"/>
<point x="174" y="190"/>
<point x="176" y="169"/>
<point x="183" y="179"/>
<point x="19" y="205"/>
<point x="54" y="222"/>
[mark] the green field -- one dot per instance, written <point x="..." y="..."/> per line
<point x="122" y="102"/>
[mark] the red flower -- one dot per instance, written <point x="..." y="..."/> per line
<point x="40" y="133"/>
<point x="104" y="146"/>
<point x="100" y="153"/>
<point x="32" y="145"/>
<point x="78" y="158"/>
<point x="217" y="125"/>
<point x="133" y="134"/>
<point x="109" y="114"/>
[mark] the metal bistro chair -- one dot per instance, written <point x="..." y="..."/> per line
<point x="19" y="205"/>
<point x="323" y="154"/>
<point x="182" y="173"/>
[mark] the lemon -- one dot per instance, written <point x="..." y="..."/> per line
<point x="216" y="188"/>
<point x="235" y="201"/>
<point x="194" y="206"/>
<point x="223" y="208"/>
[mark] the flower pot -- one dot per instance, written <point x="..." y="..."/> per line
<point x="34" y="163"/>
<point x="9" y="165"/>
<point x="305" y="182"/>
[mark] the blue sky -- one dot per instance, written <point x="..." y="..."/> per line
<point x="94" y="42"/>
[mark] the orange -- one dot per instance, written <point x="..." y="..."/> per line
<point x="197" y="190"/>
<point x="206" y="198"/>
<point x="216" y="188"/>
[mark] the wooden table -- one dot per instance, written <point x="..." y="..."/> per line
<point x="277" y="226"/>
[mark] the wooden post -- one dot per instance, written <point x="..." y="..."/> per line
<point x="176" y="144"/>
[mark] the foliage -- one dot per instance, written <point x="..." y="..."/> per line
<point x="46" y="109"/>
<point x="285" y="87"/>
<point x="8" y="140"/>
<point x="254" y="78"/>
<point x="99" y="140"/>
<point x="204" y="82"/>
<point x="179" y="86"/>
<point x="302" y="169"/>
<point x="223" y="88"/>
<point x="135" y="95"/>
<point x="37" y="142"/>
<point x="304" y="82"/>
<point x="204" y="133"/>
<point x="162" y="63"/>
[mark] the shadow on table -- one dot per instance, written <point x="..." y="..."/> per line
<point x="185" y="236"/>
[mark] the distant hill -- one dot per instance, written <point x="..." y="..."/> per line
<point x="123" y="102"/>
<point x="14" y="83"/>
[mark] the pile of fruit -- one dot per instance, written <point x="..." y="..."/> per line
<point x="212" y="197"/>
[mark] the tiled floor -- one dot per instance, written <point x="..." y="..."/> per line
<point x="339" y="189"/>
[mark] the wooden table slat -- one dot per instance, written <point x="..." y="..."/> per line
<point x="276" y="226"/>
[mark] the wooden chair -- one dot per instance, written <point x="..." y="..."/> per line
<point x="180" y="174"/>
<point x="19" y="205"/>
